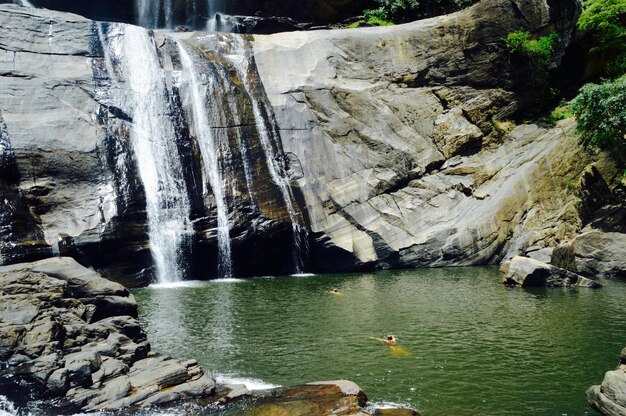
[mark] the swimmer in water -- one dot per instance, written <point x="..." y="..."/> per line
<point x="335" y="291"/>
<point x="389" y="340"/>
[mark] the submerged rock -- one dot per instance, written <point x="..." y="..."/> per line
<point x="527" y="272"/>
<point x="609" y="398"/>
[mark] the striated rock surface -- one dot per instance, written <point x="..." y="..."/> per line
<point x="609" y="398"/>
<point x="393" y="127"/>
<point x="68" y="334"/>
<point x="527" y="272"/>
<point x="385" y="135"/>
<point x="593" y="253"/>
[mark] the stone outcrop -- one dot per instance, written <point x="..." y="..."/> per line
<point x="593" y="253"/>
<point x="609" y="398"/>
<point x="66" y="333"/>
<point x="385" y="133"/>
<point x="527" y="272"/>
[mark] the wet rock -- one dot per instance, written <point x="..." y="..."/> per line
<point x="593" y="253"/>
<point x="609" y="398"/>
<point x="526" y="272"/>
<point x="55" y="337"/>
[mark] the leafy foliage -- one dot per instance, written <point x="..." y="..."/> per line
<point x="561" y="112"/>
<point x="523" y="42"/>
<point x="601" y="113"/>
<point x="605" y="19"/>
<point x="536" y="53"/>
<point x="400" y="11"/>
<point x="376" y="17"/>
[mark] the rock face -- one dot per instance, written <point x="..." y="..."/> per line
<point x="336" y="150"/>
<point x="609" y="398"/>
<point x="526" y="272"/>
<point x="593" y="253"/>
<point x="393" y="127"/>
<point x="68" y="333"/>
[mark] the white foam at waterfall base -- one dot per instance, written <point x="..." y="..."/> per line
<point x="250" y="383"/>
<point x="177" y="285"/>
<point x="7" y="408"/>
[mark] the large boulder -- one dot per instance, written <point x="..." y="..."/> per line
<point x="71" y="335"/>
<point x="593" y="253"/>
<point x="527" y="272"/>
<point x="609" y="398"/>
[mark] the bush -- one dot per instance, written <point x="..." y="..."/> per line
<point x="561" y="112"/>
<point x="605" y="20"/>
<point x="536" y="52"/>
<point x="601" y="113"/>
<point x="400" y="11"/>
<point x="376" y="17"/>
<point x="522" y="42"/>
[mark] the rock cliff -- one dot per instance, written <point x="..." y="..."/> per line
<point x="365" y="148"/>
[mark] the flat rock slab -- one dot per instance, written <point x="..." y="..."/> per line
<point x="527" y="272"/>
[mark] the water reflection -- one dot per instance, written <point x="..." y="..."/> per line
<point x="467" y="344"/>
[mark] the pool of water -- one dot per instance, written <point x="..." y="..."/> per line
<point x="466" y="343"/>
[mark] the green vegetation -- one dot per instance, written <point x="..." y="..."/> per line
<point x="376" y="17"/>
<point x="601" y="113"/>
<point x="561" y="112"/>
<point x="535" y="52"/>
<point x="605" y="19"/>
<point x="523" y="43"/>
<point x="400" y="11"/>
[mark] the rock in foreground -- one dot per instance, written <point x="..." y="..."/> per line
<point x="527" y="272"/>
<point x="68" y="334"/>
<point x="610" y="398"/>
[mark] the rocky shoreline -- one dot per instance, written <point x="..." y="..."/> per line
<point x="71" y="337"/>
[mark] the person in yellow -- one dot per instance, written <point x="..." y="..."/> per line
<point x="389" y="340"/>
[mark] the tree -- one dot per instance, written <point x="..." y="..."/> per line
<point x="601" y="113"/>
<point x="605" y="20"/>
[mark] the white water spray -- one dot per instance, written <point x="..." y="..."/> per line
<point x="241" y="61"/>
<point x="209" y="150"/>
<point x="153" y="142"/>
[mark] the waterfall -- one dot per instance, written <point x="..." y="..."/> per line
<point x="153" y="141"/>
<point x="24" y="3"/>
<point x="241" y="58"/>
<point x="209" y="150"/>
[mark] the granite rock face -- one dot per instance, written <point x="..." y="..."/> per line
<point x="609" y="398"/>
<point x="68" y="334"/>
<point x="593" y="253"/>
<point x="385" y="134"/>
<point x="527" y="272"/>
<point x="393" y="127"/>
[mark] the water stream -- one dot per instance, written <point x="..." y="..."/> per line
<point x="210" y="152"/>
<point x="153" y="140"/>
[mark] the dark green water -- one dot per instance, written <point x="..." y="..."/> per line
<point x="473" y="346"/>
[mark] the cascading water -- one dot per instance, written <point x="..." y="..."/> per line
<point x="209" y="150"/>
<point x="241" y="58"/>
<point x="154" y="145"/>
<point x="166" y="14"/>
<point x="24" y="3"/>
